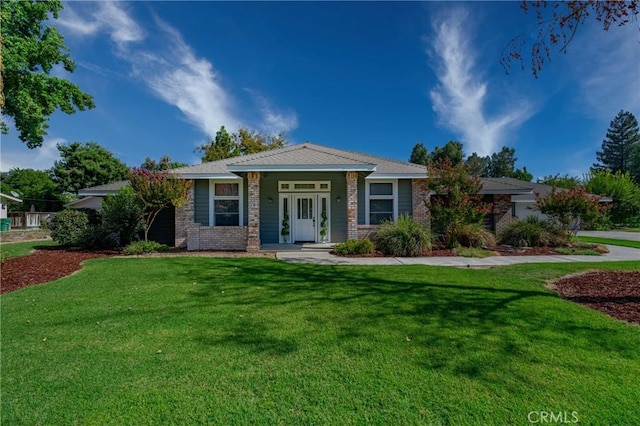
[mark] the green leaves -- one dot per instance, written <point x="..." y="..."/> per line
<point x="30" y="50"/>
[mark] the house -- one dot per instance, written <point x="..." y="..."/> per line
<point x="4" y="201"/>
<point x="317" y="193"/>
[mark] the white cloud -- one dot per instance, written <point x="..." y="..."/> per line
<point x="173" y="72"/>
<point x="19" y="156"/>
<point x="459" y="98"/>
<point x="273" y="120"/>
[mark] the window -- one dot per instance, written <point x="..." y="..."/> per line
<point x="226" y="204"/>
<point x="307" y="186"/>
<point x="382" y="203"/>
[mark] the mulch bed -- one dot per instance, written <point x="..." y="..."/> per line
<point x="614" y="293"/>
<point x="42" y="266"/>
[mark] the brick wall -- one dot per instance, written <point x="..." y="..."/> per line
<point x="367" y="231"/>
<point x="501" y="212"/>
<point x="352" y="205"/>
<point x="184" y="219"/>
<point x="217" y="237"/>
<point x="420" y="201"/>
<point x="253" y="237"/>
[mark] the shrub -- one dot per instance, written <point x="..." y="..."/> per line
<point x="68" y="227"/>
<point x="533" y="232"/>
<point x="142" y="247"/>
<point x="354" y="247"/>
<point x="474" y="235"/>
<point x="122" y="213"/>
<point x="624" y="192"/>
<point x="97" y="237"/>
<point x="406" y="238"/>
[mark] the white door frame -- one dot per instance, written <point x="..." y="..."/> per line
<point x="289" y="201"/>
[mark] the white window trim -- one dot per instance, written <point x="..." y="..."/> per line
<point x="213" y="198"/>
<point x="368" y="197"/>
<point x="316" y="188"/>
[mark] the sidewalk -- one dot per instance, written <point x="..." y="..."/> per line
<point x="616" y="253"/>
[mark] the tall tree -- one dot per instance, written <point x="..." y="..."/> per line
<point x="251" y="142"/>
<point x="452" y="150"/>
<point x="35" y="187"/>
<point x="30" y="49"/>
<point x="220" y="148"/>
<point x="557" y="23"/>
<point x="502" y="163"/>
<point x="165" y="163"/>
<point x="478" y="166"/>
<point x="83" y="165"/>
<point x="419" y="155"/>
<point x="620" y="145"/>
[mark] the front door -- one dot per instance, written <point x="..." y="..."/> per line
<point x="305" y="218"/>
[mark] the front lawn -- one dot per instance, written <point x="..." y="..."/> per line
<point x="610" y="241"/>
<point x="195" y="340"/>
<point x="9" y="250"/>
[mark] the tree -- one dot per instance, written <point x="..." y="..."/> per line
<point x="122" y="212"/>
<point x="557" y="24"/>
<point x="30" y="50"/>
<point x="252" y="142"/>
<point x="522" y="174"/>
<point x="452" y="150"/>
<point x="86" y="165"/>
<point x="478" y="166"/>
<point x="502" y="163"/>
<point x="156" y="191"/>
<point x="165" y="163"/>
<point x="244" y="142"/>
<point x="419" y="155"/>
<point x="560" y="181"/>
<point x="457" y="201"/>
<point x="570" y="208"/>
<point x="620" y="145"/>
<point x="35" y="187"/>
<point x="625" y="210"/>
<point x="220" y="148"/>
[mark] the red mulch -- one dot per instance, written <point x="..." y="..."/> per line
<point x="617" y="294"/>
<point x="42" y="266"/>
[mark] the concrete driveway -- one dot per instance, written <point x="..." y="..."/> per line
<point x="617" y="235"/>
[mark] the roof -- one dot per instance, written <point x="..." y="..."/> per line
<point x="506" y="186"/>
<point x="305" y="157"/>
<point x="103" y="190"/>
<point x="10" y="198"/>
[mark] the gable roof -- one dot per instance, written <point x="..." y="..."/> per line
<point x="305" y="157"/>
<point x="103" y="190"/>
<point x="10" y="198"/>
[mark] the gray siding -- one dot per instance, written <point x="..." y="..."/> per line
<point x="361" y="199"/>
<point x="405" y="197"/>
<point x="269" y="221"/>
<point x="201" y="202"/>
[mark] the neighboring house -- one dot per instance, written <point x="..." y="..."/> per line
<point x="241" y="203"/>
<point x="4" y="201"/>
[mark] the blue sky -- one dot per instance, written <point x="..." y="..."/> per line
<point x="375" y="77"/>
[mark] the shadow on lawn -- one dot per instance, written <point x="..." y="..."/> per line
<point x="469" y="329"/>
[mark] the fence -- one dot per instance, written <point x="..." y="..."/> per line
<point x="29" y="220"/>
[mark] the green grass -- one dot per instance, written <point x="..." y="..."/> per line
<point x="610" y="241"/>
<point x="192" y="340"/>
<point x="9" y="250"/>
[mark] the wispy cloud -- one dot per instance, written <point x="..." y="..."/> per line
<point x="173" y="71"/>
<point x="461" y="95"/>
<point x="607" y="69"/>
<point x="274" y="121"/>
<point x="19" y="156"/>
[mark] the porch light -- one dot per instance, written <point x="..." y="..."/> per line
<point x="338" y="199"/>
<point x="270" y="199"/>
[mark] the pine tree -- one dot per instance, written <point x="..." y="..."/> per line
<point x="419" y="155"/>
<point x="620" y="144"/>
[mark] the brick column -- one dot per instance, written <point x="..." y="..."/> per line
<point x="253" y="240"/>
<point x="501" y="212"/>
<point x="420" y="200"/>
<point x="184" y="219"/>
<point x="352" y="205"/>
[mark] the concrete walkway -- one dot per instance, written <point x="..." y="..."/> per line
<point x="617" y="235"/>
<point x="616" y="253"/>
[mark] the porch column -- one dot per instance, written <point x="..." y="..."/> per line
<point x="501" y="212"/>
<point x="253" y="240"/>
<point x="184" y="219"/>
<point x="420" y="195"/>
<point x="352" y="205"/>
